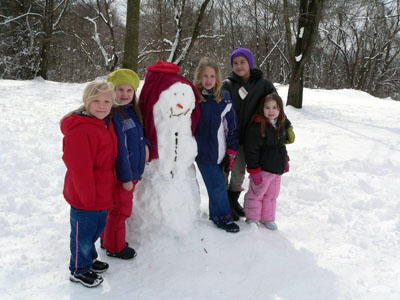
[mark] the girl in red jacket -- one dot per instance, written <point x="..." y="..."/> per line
<point x="90" y="148"/>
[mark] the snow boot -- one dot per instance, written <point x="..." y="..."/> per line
<point x="228" y="227"/>
<point x="99" y="266"/>
<point x="237" y="209"/>
<point x="126" y="253"/>
<point x="251" y="221"/>
<point x="271" y="225"/>
<point x="89" y="279"/>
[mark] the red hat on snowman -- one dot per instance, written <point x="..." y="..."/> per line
<point x="159" y="78"/>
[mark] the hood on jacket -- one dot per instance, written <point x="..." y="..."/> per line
<point x="77" y="118"/>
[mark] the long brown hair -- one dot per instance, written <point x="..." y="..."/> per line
<point x="259" y="115"/>
<point x="203" y="64"/>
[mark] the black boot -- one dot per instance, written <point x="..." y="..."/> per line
<point x="237" y="209"/>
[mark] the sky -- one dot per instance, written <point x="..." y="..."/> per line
<point x="337" y="214"/>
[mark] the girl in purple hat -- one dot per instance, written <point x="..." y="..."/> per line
<point x="247" y="86"/>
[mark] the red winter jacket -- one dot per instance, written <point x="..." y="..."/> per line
<point x="90" y="149"/>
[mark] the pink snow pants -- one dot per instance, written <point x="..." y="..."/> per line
<point x="260" y="200"/>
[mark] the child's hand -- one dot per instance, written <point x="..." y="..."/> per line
<point x="256" y="178"/>
<point x="232" y="156"/>
<point x="290" y="135"/>
<point x="146" y="147"/>
<point x="128" y="185"/>
<point x="228" y="161"/>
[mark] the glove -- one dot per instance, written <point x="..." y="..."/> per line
<point x="229" y="159"/>
<point x="290" y="135"/>
<point x="232" y="156"/>
<point x="287" y="166"/>
<point x="256" y="178"/>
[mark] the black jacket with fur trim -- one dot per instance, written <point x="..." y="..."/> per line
<point x="266" y="153"/>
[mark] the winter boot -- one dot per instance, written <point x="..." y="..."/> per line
<point x="271" y="225"/>
<point x="99" y="266"/>
<point x="89" y="279"/>
<point x="237" y="209"/>
<point x="126" y="253"/>
<point x="228" y="227"/>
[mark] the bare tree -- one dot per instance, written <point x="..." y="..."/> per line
<point x="308" y="21"/>
<point x="179" y="45"/>
<point x="131" y="48"/>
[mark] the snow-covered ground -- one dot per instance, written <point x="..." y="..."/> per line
<point x="338" y="212"/>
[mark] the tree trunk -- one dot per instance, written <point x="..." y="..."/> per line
<point x="295" y="92"/>
<point x="48" y="32"/>
<point x="309" y="17"/>
<point x="131" y="47"/>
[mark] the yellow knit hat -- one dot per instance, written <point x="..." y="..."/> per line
<point x="124" y="76"/>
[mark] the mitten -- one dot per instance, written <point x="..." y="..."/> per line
<point x="256" y="178"/>
<point x="287" y="166"/>
<point x="231" y="156"/>
<point x="290" y="135"/>
<point x="229" y="159"/>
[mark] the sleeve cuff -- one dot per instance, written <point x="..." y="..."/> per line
<point x="254" y="171"/>
<point x="230" y="151"/>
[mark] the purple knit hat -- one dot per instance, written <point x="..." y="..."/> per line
<point x="246" y="53"/>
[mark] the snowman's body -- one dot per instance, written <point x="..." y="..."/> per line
<point x="168" y="195"/>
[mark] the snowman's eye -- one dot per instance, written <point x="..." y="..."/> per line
<point x="183" y="94"/>
<point x="174" y="94"/>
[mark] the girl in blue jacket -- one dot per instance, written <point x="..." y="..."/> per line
<point x="133" y="152"/>
<point x="217" y="141"/>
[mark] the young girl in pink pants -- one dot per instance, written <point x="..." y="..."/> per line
<point x="266" y="159"/>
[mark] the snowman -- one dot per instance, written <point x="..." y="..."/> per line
<point x="167" y="198"/>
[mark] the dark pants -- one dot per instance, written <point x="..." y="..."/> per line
<point x="86" y="227"/>
<point x="220" y="209"/>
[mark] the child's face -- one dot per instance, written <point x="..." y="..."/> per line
<point x="100" y="107"/>
<point x="271" y="110"/>
<point x="124" y="93"/>
<point x="208" y="78"/>
<point x="241" y="67"/>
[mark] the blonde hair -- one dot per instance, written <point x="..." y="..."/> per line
<point x="203" y="64"/>
<point x="91" y="91"/>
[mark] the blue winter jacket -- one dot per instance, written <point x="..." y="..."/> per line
<point x="217" y="129"/>
<point x="131" y="156"/>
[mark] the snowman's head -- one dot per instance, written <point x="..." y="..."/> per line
<point x="177" y="101"/>
<point x="169" y="96"/>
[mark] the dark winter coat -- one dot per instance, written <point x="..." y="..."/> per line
<point x="257" y="87"/>
<point x="269" y="152"/>
<point x="217" y="129"/>
<point x="131" y="156"/>
<point x="90" y="149"/>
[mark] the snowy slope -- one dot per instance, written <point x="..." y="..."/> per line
<point x="338" y="212"/>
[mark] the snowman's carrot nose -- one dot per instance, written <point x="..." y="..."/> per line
<point x="179" y="105"/>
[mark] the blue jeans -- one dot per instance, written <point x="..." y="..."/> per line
<point x="86" y="227"/>
<point x="220" y="209"/>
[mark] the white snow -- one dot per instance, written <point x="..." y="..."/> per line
<point x="338" y="212"/>
<point x="301" y="32"/>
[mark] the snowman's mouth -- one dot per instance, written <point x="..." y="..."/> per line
<point x="171" y="113"/>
